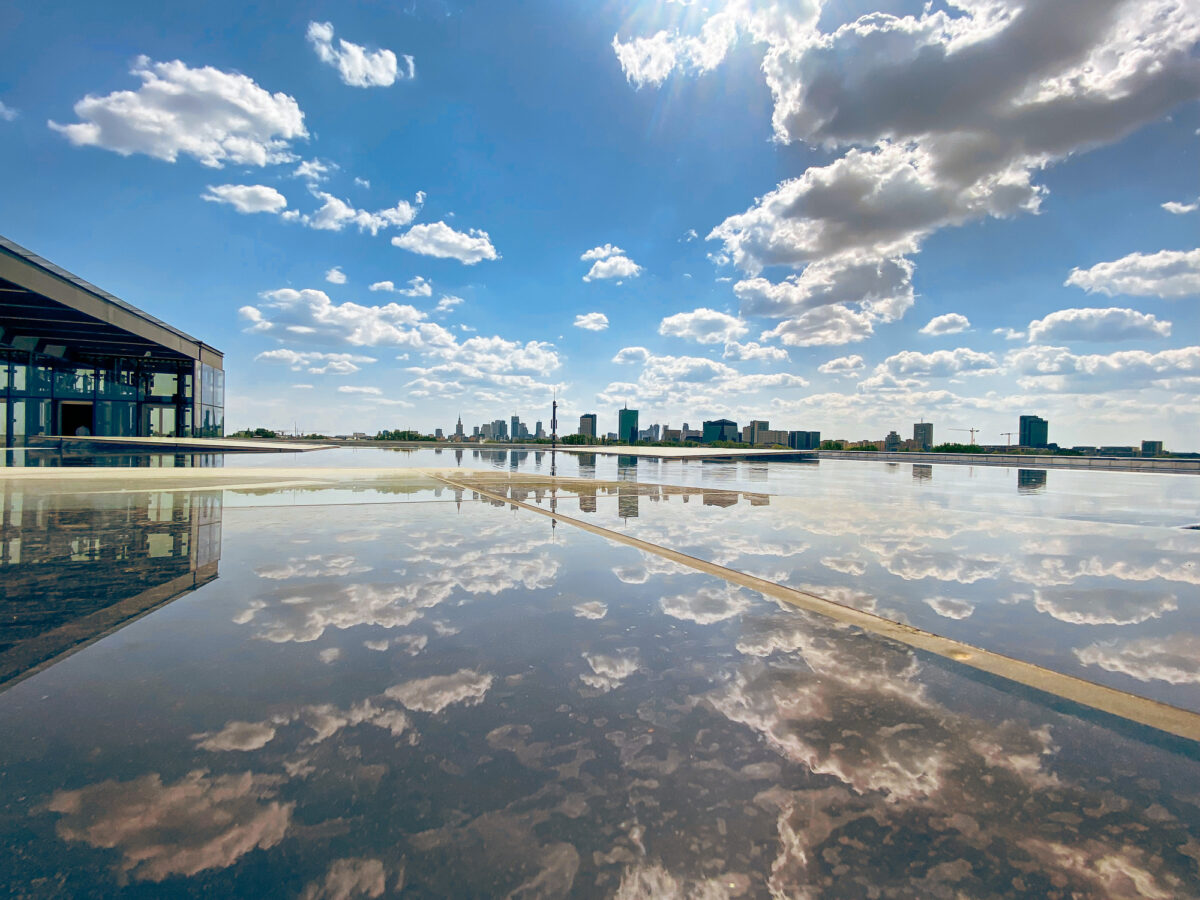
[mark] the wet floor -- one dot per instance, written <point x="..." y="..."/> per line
<point x="353" y="691"/>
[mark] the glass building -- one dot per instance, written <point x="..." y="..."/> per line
<point x="77" y="361"/>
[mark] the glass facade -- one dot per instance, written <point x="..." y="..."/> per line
<point x="127" y="397"/>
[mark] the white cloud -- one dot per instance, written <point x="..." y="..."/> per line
<point x="752" y="350"/>
<point x="824" y="326"/>
<point x="696" y="380"/>
<point x="216" y="117"/>
<point x="1010" y="334"/>
<point x="950" y="608"/>
<point x="1181" y="209"/>
<point x="336" y="275"/>
<point x="631" y="355"/>
<point x="357" y="66"/>
<point x="608" y="672"/>
<point x="237" y="736"/>
<point x="362" y="182"/>
<point x="335" y="214"/>
<point x="842" y="365"/>
<point x="938" y="364"/>
<point x="313" y="170"/>
<point x="592" y="609"/>
<point x="705" y="326"/>
<point x="7" y="113"/>
<point x="942" y="118"/>
<point x="950" y="323"/>
<point x="1113" y="324"/>
<point x="335" y="363"/>
<point x="310" y="315"/>
<point x="708" y="605"/>
<point x="434" y="694"/>
<point x="593" y="321"/>
<point x="1174" y="659"/>
<point x="417" y="287"/>
<point x="447" y="303"/>
<point x="1169" y="274"/>
<point x="349" y="878"/>
<point x="440" y="240"/>
<point x="609" y="261"/>
<point x="357" y="389"/>
<point x="1042" y="368"/>
<point x="247" y="198"/>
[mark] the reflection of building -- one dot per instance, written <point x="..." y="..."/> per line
<point x="75" y="360"/>
<point x="923" y="435"/>
<point x="720" y="498"/>
<point x="71" y="573"/>
<point x="1031" y="481"/>
<point x="587" y="499"/>
<point x="627" y="499"/>
<point x="1034" y="431"/>
<point x="922" y="473"/>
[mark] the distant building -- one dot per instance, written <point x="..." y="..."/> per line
<point x="1116" y="451"/>
<point x="587" y="425"/>
<point x="689" y="434"/>
<point x="923" y="435"/>
<point x="539" y="432"/>
<point x="804" y="440"/>
<point x="499" y="430"/>
<point x="437" y="433"/>
<point x="1152" y="448"/>
<point x="672" y="434"/>
<point x="891" y="442"/>
<point x="627" y="425"/>
<point x="718" y="430"/>
<point x="750" y="434"/>
<point x="485" y="431"/>
<point x="458" y="429"/>
<point x="516" y="427"/>
<point x="1034" y="431"/>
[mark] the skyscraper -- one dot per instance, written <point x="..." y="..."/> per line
<point x="458" y="429"/>
<point x="923" y="435"/>
<point x="516" y="427"/>
<point x="891" y="442"/>
<point x="718" y="430"/>
<point x="627" y="425"/>
<point x="587" y="425"/>
<point x="1034" y="431"/>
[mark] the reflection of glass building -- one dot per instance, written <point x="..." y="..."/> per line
<point x="74" y="568"/>
<point x="75" y="360"/>
<point x="1031" y="481"/>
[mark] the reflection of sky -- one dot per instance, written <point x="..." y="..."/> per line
<point x="536" y="711"/>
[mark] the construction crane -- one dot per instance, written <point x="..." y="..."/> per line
<point x="1007" y="434"/>
<point x="973" y="431"/>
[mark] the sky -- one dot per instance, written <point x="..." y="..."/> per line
<point x="841" y="216"/>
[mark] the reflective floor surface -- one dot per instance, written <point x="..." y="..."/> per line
<point x="357" y="690"/>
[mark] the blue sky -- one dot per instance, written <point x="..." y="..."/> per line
<point x="782" y="211"/>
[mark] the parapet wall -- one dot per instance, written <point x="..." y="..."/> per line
<point x="1026" y="461"/>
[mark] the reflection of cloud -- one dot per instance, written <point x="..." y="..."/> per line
<point x="609" y="671"/>
<point x="348" y="878"/>
<point x="912" y="565"/>
<point x="847" y="565"/>
<point x="950" y="608"/>
<point x="1174" y="659"/>
<point x="238" y="736"/>
<point x="1102" y="606"/>
<point x="197" y="823"/>
<point x="305" y="618"/>
<point x="707" y="605"/>
<point x="316" y="566"/>
<point x="593" y="609"/>
<point x="650" y="565"/>
<point x="434" y="694"/>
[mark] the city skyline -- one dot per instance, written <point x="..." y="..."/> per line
<point x="467" y="207"/>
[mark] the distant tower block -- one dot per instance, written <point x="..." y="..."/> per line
<point x="923" y="435"/>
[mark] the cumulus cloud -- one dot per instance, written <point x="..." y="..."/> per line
<point x="334" y="363"/>
<point x="1174" y="659"/>
<point x="313" y="170"/>
<point x="942" y="118"/>
<point x="705" y="382"/>
<point x="1181" y="209"/>
<point x="1112" y="324"/>
<point x="842" y="365"/>
<point x="827" y="326"/>
<point x="609" y="671"/>
<point x="705" y="326"/>
<point x="336" y="275"/>
<point x="1103" y="606"/>
<point x="1058" y="369"/>
<point x="357" y="66"/>
<point x="335" y="214"/>
<point x="631" y="355"/>
<point x="417" y="287"/>
<point x="447" y="303"/>
<point x="7" y="113"/>
<point x="1169" y="274"/>
<point x="592" y="609"/>
<point x="237" y="736"/>
<point x="309" y="314"/>
<point x="753" y="350"/>
<point x="708" y="605"/>
<point x="907" y="368"/>
<point x="609" y="261"/>
<point x="246" y="198"/>
<point x="435" y="693"/>
<point x="161" y="830"/>
<point x="593" y="321"/>
<point x="440" y="240"/>
<point x="216" y="117"/>
<point x="950" y="608"/>
<point x="950" y="323"/>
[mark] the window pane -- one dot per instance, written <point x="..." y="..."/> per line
<point x="78" y="382"/>
<point x="163" y="384"/>
<point x="116" y="419"/>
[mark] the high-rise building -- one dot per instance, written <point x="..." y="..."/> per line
<point x="804" y="440"/>
<point x="1152" y="448"/>
<point x="627" y="425"/>
<point x="516" y="427"/>
<point x="485" y="431"/>
<point x="458" y="429"/>
<point x="923" y="435"/>
<point x="587" y="425"/>
<point x="475" y="431"/>
<point x="499" y="430"/>
<point x="1034" y="431"/>
<point x="439" y="434"/>
<point x="538" y="431"/>
<point x="891" y="443"/>
<point x="718" y="430"/>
